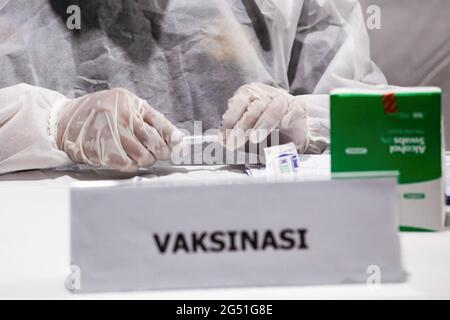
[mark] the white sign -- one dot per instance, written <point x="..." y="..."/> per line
<point x="248" y="233"/>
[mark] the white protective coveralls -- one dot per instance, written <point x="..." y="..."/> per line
<point x="184" y="58"/>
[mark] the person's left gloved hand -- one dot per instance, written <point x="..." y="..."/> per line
<point x="257" y="109"/>
<point x="115" y="129"/>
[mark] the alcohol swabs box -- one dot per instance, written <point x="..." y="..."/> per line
<point x="390" y="130"/>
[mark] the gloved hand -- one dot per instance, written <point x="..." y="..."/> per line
<point x="257" y="109"/>
<point x="115" y="129"/>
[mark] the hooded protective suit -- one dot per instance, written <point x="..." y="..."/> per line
<point x="186" y="58"/>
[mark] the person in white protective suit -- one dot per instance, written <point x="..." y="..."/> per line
<point x="234" y="64"/>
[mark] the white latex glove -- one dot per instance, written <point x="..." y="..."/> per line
<point x="115" y="129"/>
<point x="257" y="109"/>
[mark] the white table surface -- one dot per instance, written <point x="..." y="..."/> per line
<point x="34" y="252"/>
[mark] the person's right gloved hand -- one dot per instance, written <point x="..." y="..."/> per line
<point x="257" y="109"/>
<point x="115" y="129"/>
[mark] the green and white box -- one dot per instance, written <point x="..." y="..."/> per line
<point x="393" y="130"/>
